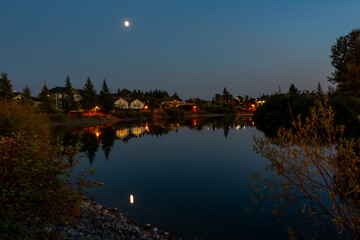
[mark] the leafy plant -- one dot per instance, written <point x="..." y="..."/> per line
<point x="313" y="164"/>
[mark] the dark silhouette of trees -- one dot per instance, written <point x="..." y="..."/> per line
<point x="26" y="97"/>
<point x="68" y="102"/>
<point x="47" y="103"/>
<point x="89" y="97"/>
<point x="293" y="90"/>
<point x="345" y="55"/>
<point x="5" y="87"/>
<point x="106" y="101"/>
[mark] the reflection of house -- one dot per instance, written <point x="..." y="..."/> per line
<point x="137" y="104"/>
<point x="137" y="131"/>
<point x="121" y="104"/>
<point x="122" y="133"/>
<point x="57" y="93"/>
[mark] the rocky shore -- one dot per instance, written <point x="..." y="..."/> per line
<point x="94" y="222"/>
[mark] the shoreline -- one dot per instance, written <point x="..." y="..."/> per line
<point x="114" y="120"/>
<point x="94" y="222"/>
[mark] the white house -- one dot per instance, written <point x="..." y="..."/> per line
<point x="121" y="104"/>
<point x="137" y="104"/>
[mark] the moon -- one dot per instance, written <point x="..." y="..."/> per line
<point x="126" y="23"/>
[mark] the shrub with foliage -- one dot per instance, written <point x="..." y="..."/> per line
<point x="315" y="166"/>
<point x="35" y="177"/>
<point x="58" y="117"/>
<point x="16" y="117"/>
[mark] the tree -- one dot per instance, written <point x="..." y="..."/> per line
<point x="68" y="102"/>
<point x="106" y="101"/>
<point x="89" y="97"/>
<point x="226" y="95"/>
<point x="176" y="97"/>
<point x="345" y="54"/>
<point x="316" y="167"/>
<point x="47" y="103"/>
<point x="319" y="89"/>
<point x="5" y="87"/>
<point x="293" y="90"/>
<point x="27" y="98"/>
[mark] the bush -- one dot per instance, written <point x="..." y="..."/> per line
<point x="35" y="177"/>
<point x="58" y="117"/>
<point x="16" y="117"/>
<point x="174" y="112"/>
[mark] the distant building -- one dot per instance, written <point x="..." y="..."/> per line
<point x="17" y="96"/>
<point x="259" y="102"/>
<point x="137" y="104"/>
<point x="57" y="93"/>
<point x="174" y="104"/>
<point x="121" y="104"/>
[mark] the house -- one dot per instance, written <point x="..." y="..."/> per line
<point x="174" y="104"/>
<point x="17" y="96"/>
<point x="137" y="104"/>
<point x="121" y="104"/>
<point x="259" y="102"/>
<point x="57" y="93"/>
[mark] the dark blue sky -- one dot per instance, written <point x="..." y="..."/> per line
<point x="194" y="47"/>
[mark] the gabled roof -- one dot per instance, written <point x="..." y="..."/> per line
<point x="61" y="90"/>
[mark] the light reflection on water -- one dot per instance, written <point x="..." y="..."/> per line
<point x="191" y="178"/>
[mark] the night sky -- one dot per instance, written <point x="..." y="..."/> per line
<point x="193" y="47"/>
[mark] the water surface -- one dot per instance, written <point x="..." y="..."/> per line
<point x="191" y="178"/>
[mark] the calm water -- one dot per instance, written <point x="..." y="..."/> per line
<point x="191" y="178"/>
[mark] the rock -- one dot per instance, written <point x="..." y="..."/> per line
<point x="154" y="229"/>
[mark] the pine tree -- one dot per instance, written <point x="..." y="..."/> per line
<point x="47" y="103"/>
<point x="89" y="97"/>
<point x="68" y="101"/>
<point x="27" y="98"/>
<point x="5" y="87"/>
<point x="106" y="102"/>
<point x="293" y="90"/>
<point x="319" y="89"/>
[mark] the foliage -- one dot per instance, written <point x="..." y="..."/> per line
<point x="313" y="164"/>
<point x="89" y="97"/>
<point x="16" y="117"/>
<point x="127" y="114"/>
<point x="35" y="177"/>
<point x="47" y="103"/>
<point x="106" y="101"/>
<point x="68" y="102"/>
<point x="5" y="87"/>
<point x="58" y="117"/>
<point x="175" y="112"/>
<point x="26" y="97"/>
<point x="345" y="54"/>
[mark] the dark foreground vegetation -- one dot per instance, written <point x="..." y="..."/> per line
<point x="35" y="177"/>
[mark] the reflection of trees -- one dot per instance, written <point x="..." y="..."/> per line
<point x="89" y="138"/>
<point x="90" y="145"/>
<point x="107" y="137"/>
<point x="315" y="166"/>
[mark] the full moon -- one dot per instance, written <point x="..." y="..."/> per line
<point x="127" y="23"/>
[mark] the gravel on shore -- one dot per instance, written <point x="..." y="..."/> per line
<point x="95" y="222"/>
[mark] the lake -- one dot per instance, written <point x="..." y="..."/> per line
<point x="191" y="178"/>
